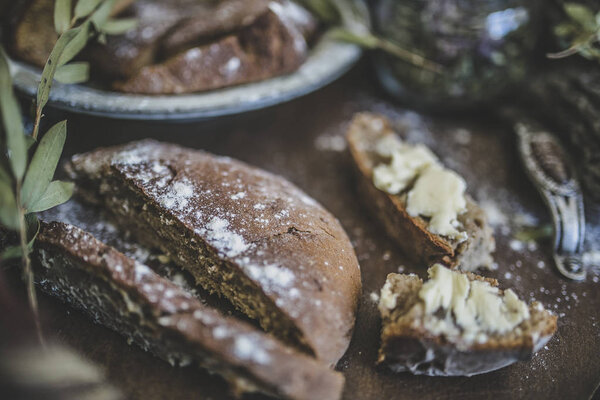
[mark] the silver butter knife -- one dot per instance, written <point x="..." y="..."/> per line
<point x="549" y="168"/>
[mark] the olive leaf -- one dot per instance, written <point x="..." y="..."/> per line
<point x="75" y="72"/>
<point x="9" y="213"/>
<point x="4" y="176"/>
<point x="11" y="252"/>
<point x="118" y="26"/>
<point x="350" y="20"/>
<point x="12" y="121"/>
<point x="324" y="10"/>
<point x="50" y="68"/>
<point x="580" y="32"/>
<point x="101" y="15"/>
<point x="581" y="14"/>
<point x="57" y="193"/>
<point x="83" y="8"/>
<point x="32" y="224"/>
<point x="76" y="44"/>
<point x="29" y="141"/>
<point x="43" y="164"/>
<point x="369" y="41"/>
<point x="534" y="233"/>
<point x="33" y="228"/>
<point x="62" y="15"/>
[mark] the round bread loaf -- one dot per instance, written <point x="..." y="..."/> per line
<point x="244" y="233"/>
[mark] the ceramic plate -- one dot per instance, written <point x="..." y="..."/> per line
<point x="327" y="61"/>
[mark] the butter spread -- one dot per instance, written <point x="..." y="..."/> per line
<point x="437" y="192"/>
<point x="406" y="163"/>
<point x="472" y="309"/>
<point x="388" y="297"/>
<point x="440" y="194"/>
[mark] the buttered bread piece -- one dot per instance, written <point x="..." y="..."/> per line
<point x="434" y="192"/>
<point x="421" y="203"/>
<point x="457" y="324"/>
<point x="241" y="232"/>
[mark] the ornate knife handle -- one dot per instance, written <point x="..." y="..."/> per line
<point x="548" y="167"/>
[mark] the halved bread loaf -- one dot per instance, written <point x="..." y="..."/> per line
<point x="243" y="233"/>
<point x="470" y="336"/>
<point x="412" y="233"/>
<point x="159" y="316"/>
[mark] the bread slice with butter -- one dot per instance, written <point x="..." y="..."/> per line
<point x="457" y="323"/>
<point x="422" y="204"/>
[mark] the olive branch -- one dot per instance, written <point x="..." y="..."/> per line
<point x="349" y="19"/>
<point x="581" y="31"/>
<point x="26" y="183"/>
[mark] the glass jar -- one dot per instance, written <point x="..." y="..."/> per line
<point x="484" y="47"/>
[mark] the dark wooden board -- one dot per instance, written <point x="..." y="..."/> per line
<point x="300" y="140"/>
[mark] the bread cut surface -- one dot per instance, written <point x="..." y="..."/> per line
<point x="411" y="233"/>
<point x="158" y="315"/>
<point x="243" y="233"/>
<point x="407" y="344"/>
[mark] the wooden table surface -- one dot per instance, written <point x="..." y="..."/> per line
<point x="301" y="140"/>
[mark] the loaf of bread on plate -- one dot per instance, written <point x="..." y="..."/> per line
<point x="251" y="237"/>
<point x="457" y="323"/>
<point x="422" y="204"/>
<point x="160" y="316"/>
<point x="180" y="46"/>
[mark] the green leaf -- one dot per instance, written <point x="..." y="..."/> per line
<point x="101" y="38"/>
<point x="62" y="15"/>
<point x="75" y="72"/>
<point x="83" y="8"/>
<point x="58" y="192"/>
<point x="43" y="164"/>
<point x="32" y="224"/>
<point x="11" y="252"/>
<point x="101" y="15"/>
<point x="76" y="44"/>
<point x="5" y="176"/>
<point x="565" y="29"/>
<point x="9" y="214"/>
<point x="30" y="141"/>
<point x="534" y="233"/>
<point x="324" y="10"/>
<point x="119" y="26"/>
<point x="51" y="64"/>
<point x="345" y="35"/>
<point x="581" y="14"/>
<point x="12" y="121"/>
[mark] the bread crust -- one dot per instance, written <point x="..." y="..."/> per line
<point x="240" y="230"/>
<point x="158" y="315"/>
<point x="411" y="233"/>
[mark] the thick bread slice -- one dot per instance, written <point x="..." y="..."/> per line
<point x="131" y="299"/>
<point x="411" y="233"/>
<point x="406" y="345"/>
<point x="243" y="233"/>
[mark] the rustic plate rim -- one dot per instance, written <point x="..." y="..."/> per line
<point x="328" y="60"/>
